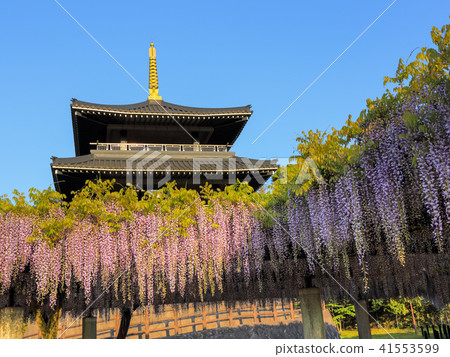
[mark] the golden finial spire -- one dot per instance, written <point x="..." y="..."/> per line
<point x="153" y="75"/>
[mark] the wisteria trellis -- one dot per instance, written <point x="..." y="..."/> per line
<point x="392" y="207"/>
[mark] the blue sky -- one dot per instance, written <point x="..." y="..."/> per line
<point x="209" y="54"/>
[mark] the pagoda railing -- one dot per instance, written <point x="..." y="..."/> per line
<point x="160" y="147"/>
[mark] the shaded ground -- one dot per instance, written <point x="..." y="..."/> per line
<point x="292" y="330"/>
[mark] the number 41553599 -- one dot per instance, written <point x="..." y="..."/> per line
<point x="409" y="348"/>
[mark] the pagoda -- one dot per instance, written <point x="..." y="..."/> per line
<point x="150" y="143"/>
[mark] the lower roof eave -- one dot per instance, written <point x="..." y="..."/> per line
<point x="81" y="169"/>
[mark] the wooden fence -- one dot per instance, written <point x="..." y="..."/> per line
<point x="178" y="319"/>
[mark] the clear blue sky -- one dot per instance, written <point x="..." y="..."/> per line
<point x="209" y="54"/>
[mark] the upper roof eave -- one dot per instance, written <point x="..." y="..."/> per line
<point x="159" y="107"/>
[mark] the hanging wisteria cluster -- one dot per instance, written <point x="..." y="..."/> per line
<point x="152" y="257"/>
<point x="393" y="202"/>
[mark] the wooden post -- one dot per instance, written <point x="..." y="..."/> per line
<point x="62" y="334"/>
<point x="147" y="323"/>
<point x="204" y="318"/>
<point x="11" y="322"/>
<point x="312" y="315"/>
<point x="175" y="321"/>
<point x="275" y="314"/>
<point x="291" y="307"/>
<point x="255" y="314"/>
<point x="230" y="316"/>
<point x="362" y="320"/>
<point x="414" y="319"/>
<point x="117" y="322"/>
<point x="89" y="327"/>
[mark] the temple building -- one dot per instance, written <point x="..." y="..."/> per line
<point x="150" y="143"/>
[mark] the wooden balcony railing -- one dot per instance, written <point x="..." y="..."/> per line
<point x="161" y="147"/>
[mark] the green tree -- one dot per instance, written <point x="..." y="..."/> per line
<point x="343" y="314"/>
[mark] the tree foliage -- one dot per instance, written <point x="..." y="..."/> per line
<point x="335" y="152"/>
<point x="343" y="313"/>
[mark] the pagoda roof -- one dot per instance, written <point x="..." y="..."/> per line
<point x="158" y="107"/>
<point x="90" y="121"/>
<point x="70" y="174"/>
<point x="94" y="162"/>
